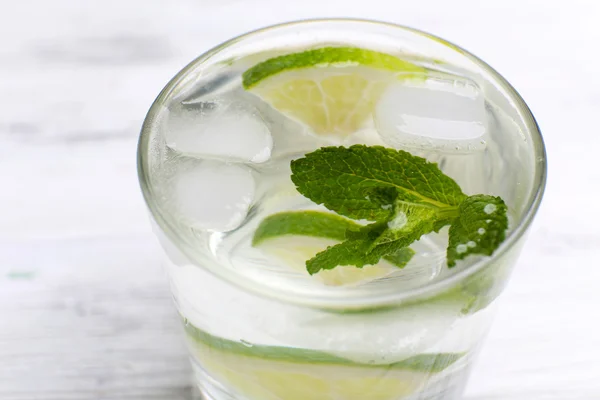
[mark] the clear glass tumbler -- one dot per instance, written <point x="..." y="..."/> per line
<point x="214" y="162"/>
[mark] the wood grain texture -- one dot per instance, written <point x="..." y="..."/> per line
<point x="88" y="318"/>
<point x="85" y="312"/>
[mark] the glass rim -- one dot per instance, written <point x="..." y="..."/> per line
<point x="372" y="300"/>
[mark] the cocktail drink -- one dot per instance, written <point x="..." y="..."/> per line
<point x="340" y="202"/>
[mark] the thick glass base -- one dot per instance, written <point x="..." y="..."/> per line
<point x="448" y="387"/>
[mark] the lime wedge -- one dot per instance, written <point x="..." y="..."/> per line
<point x="332" y="90"/>
<point x="296" y="236"/>
<point x="303" y="223"/>
<point x="282" y="373"/>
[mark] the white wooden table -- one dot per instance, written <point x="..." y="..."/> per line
<point x="85" y="311"/>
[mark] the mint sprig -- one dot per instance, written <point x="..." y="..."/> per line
<point x="324" y="225"/>
<point x="406" y="196"/>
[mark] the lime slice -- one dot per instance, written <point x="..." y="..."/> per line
<point x="281" y="373"/>
<point x="332" y="90"/>
<point x="297" y="236"/>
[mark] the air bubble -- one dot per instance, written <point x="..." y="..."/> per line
<point x="489" y="208"/>
<point x="398" y="222"/>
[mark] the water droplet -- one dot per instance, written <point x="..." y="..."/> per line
<point x="489" y="208"/>
<point x="461" y="248"/>
<point x="471" y="244"/>
<point x="481" y="231"/>
<point x="483" y="141"/>
<point x="247" y="344"/>
<point x="398" y="222"/>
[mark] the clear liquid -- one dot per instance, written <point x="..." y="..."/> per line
<point x="229" y="244"/>
<point x="233" y="333"/>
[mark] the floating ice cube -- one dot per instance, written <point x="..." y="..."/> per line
<point x="232" y="131"/>
<point x="444" y="113"/>
<point x="212" y="195"/>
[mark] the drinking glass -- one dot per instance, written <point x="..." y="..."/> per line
<point x="258" y="330"/>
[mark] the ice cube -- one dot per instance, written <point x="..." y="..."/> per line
<point x="445" y="113"/>
<point x="231" y="131"/>
<point x="212" y="195"/>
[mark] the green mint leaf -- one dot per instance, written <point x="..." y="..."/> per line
<point x="407" y="224"/>
<point x="479" y="229"/>
<point x="343" y="254"/>
<point x="343" y="179"/>
<point x="355" y="252"/>
<point x="368" y="244"/>
<point x="384" y="196"/>
<point x="321" y="224"/>
<point x="401" y="257"/>
<point x="366" y="232"/>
